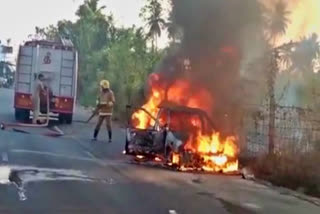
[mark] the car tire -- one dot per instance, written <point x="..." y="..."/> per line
<point x="169" y="157"/>
<point x="126" y="147"/>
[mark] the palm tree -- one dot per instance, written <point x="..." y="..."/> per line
<point x="277" y="21"/>
<point x="304" y="58"/>
<point x="90" y="34"/>
<point x="94" y="27"/>
<point x="152" y="14"/>
<point x="92" y="14"/>
<point x="304" y="55"/>
<point x="174" y="31"/>
<point x="90" y="8"/>
<point x="171" y="25"/>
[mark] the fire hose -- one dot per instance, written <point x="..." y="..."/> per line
<point x="95" y="112"/>
<point x="57" y="131"/>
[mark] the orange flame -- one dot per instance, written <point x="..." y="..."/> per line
<point x="140" y="117"/>
<point x="175" y="158"/>
<point x="215" y="152"/>
<point x="176" y="93"/>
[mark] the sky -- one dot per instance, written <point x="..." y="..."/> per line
<point x="18" y="18"/>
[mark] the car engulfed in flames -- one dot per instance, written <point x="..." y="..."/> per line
<point x="176" y="130"/>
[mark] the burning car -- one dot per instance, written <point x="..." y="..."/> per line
<point x="180" y="137"/>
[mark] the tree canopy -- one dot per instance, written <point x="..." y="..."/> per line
<point x="122" y="54"/>
<point x="118" y="54"/>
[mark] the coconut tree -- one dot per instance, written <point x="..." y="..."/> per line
<point x="276" y="20"/>
<point x="304" y="59"/>
<point x="303" y="56"/>
<point x="151" y="13"/>
<point x="90" y="8"/>
<point x="174" y="31"/>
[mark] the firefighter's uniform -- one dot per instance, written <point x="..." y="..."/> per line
<point x="105" y="104"/>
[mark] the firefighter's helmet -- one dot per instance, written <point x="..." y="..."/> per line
<point x="104" y="84"/>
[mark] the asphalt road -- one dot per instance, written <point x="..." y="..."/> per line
<point x="69" y="174"/>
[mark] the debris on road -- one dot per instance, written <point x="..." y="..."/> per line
<point x="247" y="173"/>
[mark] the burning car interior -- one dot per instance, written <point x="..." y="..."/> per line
<point x="182" y="138"/>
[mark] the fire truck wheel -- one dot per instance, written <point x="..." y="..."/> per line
<point x="17" y="114"/>
<point x="26" y="115"/>
<point x="61" y="118"/>
<point x="67" y="118"/>
<point x="22" y="115"/>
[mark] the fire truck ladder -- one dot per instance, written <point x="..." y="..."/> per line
<point x="65" y="72"/>
<point x="24" y="76"/>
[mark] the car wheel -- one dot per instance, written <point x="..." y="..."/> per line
<point x="126" y="148"/>
<point x="169" y="159"/>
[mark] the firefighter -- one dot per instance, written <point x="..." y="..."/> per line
<point x="38" y="89"/>
<point x="105" y="103"/>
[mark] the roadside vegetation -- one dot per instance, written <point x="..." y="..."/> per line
<point x="291" y="167"/>
<point x="294" y="170"/>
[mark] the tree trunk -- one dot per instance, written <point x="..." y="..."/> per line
<point x="272" y="107"/>
<point x="272" y="102"/>
<point x="173" y="40"/>
<point x="152" y="43"/>
<point x="156" y="43"/>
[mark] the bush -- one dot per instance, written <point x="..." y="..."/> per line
<point x="297" y="171"/>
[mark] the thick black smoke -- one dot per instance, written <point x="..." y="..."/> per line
<point x="214" y="32"/>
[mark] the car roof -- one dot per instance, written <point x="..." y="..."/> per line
<point x="175" y="107"/>
<point x="171" y="106"/>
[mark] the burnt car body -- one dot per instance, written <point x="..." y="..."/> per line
<point x="167" y="136"/>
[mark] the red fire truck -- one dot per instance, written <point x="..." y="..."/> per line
<point x="58" y="62"/>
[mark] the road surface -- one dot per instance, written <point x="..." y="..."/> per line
<point x="69" y="174"/>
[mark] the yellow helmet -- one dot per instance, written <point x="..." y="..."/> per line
<point x="104" y="84"/>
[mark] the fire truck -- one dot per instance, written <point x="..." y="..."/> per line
<point x="57" y="61"/>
